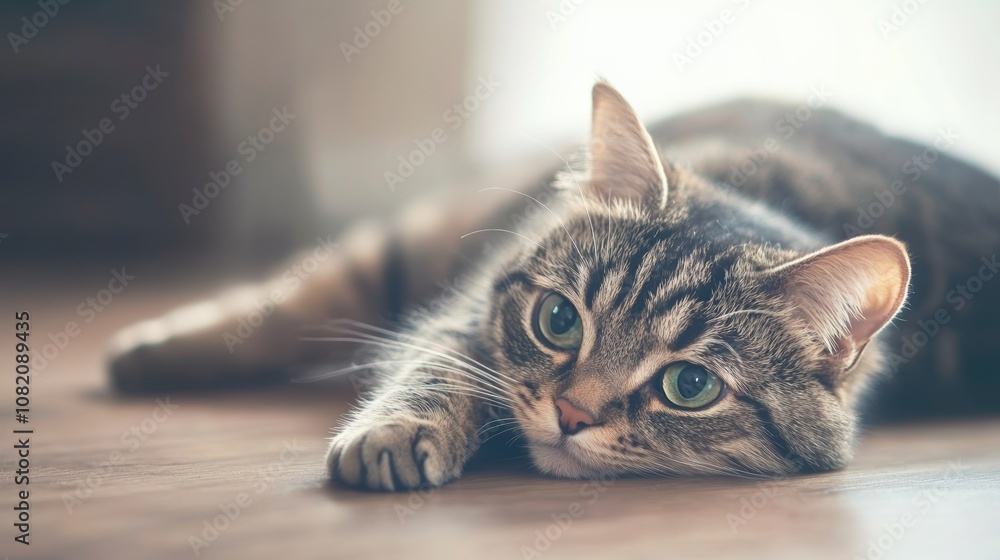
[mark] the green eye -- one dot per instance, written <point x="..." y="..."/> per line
<point x="558" y="323"/>
<point x="690" y="386"/>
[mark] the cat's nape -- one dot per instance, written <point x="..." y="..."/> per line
<point x="652" y="320"/>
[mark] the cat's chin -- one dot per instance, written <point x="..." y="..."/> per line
<point x="559" y="462"/>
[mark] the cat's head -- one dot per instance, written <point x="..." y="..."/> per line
<point x="663" y="325"/>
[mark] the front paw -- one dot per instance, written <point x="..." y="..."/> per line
<point x="395" y="455"/>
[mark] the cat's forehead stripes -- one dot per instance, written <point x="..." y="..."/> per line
<point x="668" y="326"/>
<point x="604" y="298"/>
<point x="658" y="279"/>
<point x="595" y="281"/>
<point x="648" y="294"/>
<point x="690" y="273"/>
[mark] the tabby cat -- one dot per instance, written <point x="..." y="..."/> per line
<point x="720" y="311"/>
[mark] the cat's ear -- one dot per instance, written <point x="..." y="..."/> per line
<point x="624" y="161"/>
<point x="849" y="291"/>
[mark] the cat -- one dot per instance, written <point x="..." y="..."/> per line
<point x="722" y="310"/>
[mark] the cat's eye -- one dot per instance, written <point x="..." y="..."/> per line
<point x="689" y="385"/>
<point x="558" y="322"/>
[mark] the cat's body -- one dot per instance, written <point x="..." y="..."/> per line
<point x="709" y="271"/>
<point x="843" y="178"/>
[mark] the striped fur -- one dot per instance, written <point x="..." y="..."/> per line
<point x="673" y="262"/>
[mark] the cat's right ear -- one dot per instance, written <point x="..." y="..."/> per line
<point x="624" y="162"/>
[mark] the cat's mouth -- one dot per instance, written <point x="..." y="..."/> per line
<point x="553" y="452"/>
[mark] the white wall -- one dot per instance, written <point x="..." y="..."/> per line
<point x="939" y="68"/>
<point x="358" y="116"/>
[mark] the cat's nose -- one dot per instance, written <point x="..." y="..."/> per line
<point x="572" y="419"/>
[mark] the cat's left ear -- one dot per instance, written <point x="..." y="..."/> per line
<point x="849" y="291"/>
<point x="624" y="161"/>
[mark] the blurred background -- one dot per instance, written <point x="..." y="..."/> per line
<point x="189" y="87"/>
<point x="184" y="144"/>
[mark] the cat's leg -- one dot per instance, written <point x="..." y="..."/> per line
<point x="252" y="332"/>
<point x="421" y="426"/>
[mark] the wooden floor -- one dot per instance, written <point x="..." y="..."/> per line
<point x="251" y="463"/>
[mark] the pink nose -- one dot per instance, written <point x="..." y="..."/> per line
<point x="571" y="418"/>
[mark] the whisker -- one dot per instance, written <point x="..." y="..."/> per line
<point x="508" y="428"/>
<point x="465" y="392"/>
<point x="397" y="344"/>
<point x="501" y="432"/>
<point x="492" y="437"/>
<point x="387" y="332"/>
<point x="445" y="383"/>
<point x="422" y="375"/>
<point x="505" y="231"/>
<point x="516" y="440"/>
<point x="417" y="373"/>
<point x="742" y="311"/>
<point x="353" y="368"/>
<point x="464" y="376"/>
<point x="576" y="180"/>
<point x="493" y="424"/>
<point x="561" y="223"/>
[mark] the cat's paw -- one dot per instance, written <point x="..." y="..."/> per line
<point x="395" y="455"/>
